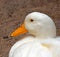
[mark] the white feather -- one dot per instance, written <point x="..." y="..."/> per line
<point x="44" y="43"/>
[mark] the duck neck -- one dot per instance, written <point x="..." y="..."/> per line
<point x="44" y="36"/>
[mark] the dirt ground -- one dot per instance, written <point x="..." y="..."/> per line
<point x="13" y="12"/>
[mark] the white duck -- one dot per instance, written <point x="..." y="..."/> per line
<point x="42" y="43"/>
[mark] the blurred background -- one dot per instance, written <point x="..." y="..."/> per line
<point x="13" y="12"/>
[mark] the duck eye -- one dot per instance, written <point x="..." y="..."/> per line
<point x="31" y="20"/>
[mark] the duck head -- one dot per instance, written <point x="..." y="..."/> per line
<point x="37" y="24"/>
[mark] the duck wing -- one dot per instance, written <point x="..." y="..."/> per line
<point x="18" y="44"/>
<point x="32" y="49"/>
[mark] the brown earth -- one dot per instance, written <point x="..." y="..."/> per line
<point x="13" y="12"/>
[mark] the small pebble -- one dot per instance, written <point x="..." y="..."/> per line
<point x="5" y="37"/>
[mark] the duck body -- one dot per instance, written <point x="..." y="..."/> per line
<point x="29" y="47"/>
<point x="53" y="45"/>
<point x="18" y="44"/>
<point x="42" y="43"/>
<point x="50" y="48"/>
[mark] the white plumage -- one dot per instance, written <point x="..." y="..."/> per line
<point x="42" y="43"/>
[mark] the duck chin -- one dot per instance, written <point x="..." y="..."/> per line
<point x="42" y="34"/>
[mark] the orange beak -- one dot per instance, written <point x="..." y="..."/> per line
<point x="19" y="30"/>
